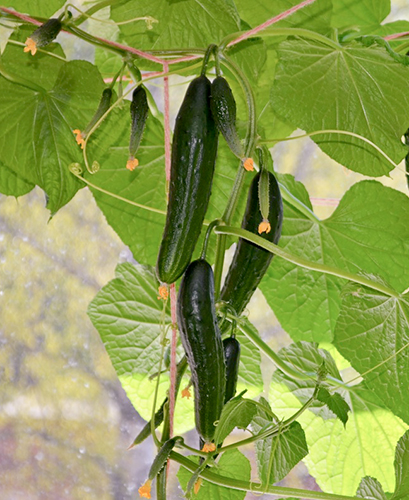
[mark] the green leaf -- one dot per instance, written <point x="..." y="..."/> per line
<point x="372" y="332"/>
<point x="307" y="358"/>
<point x="363" y="13"/>
<point x="51" y="99"/>
<point x="340" y="456"/>
<point x="315" y="17"/>
<point x="127" y="315"/>
<point x="349" y="89"/>
<point x="238" y="412"/>
<point x="402" y="467"/>
<point x="335" y="402"/>
<point x="250" y="377"/>
<point x="276" y="456"/>
<point x="370" y="488"/>
<point x="307" y="303"/>
<point x="180" y="24"/>
<point x="108" y="64"/>
<point x="35" y="8"/>
<point x="11" y="184"/>
<point x="231" y="464"/>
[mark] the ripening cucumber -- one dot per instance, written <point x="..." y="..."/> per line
<point x="202" y="342"/>
<point x="250" y="262"/>
<point x="231" y="348"/>
<point x="193" y="160"/>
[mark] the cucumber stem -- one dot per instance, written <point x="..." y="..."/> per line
<point x="210" y="49"/>
<point x="299" y="261"/>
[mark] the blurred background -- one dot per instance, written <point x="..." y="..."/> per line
<point x="65" y="421"/>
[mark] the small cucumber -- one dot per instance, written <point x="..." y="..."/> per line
<point x="250" y="262"/>
<point x="43" y="35"/>
<point x="194" y="152"/>
<point x="201" y="339"/>
<point x="223" y="108"/>
<point x="231" y="348"/>
<point x="139" y="113"/>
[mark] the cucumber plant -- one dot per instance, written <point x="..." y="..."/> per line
<point x="256" y="73"/>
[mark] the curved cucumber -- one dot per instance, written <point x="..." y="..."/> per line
<point x="223" y="108"/>
<point x="201" y="339"/>
<point x="250" y="262"/>
<point x="194" y="152"/>
<point x="231" y="348"/>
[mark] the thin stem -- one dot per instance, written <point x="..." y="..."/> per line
<point x="92" y="10"/>
<point x="210" y="49"/>
<point x="253" y="487"/>
<point x="333" y="131"/>
<point x="210" y="228"/>
<point x="396" y="35"/>
<point x="296" y="203"/>
<point x="172" y="389"/>
<point x="280" y="32"/>
<point x="299" y="261"/>
<point x="402" y="48"/>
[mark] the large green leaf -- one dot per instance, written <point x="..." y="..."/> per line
<point x="35" y="8"/>
<point x="402" y="467"/>
<point x="339" y="457"/>
<point x="231" y="464"/>
<point x="189" y="23"/>
<point x="372" y="332"/>
<point x="42" y="99"/>
<point x="11" y="184"/>
<point x="276" y="456"/>
<point x="348" y="13"/>
<point x="349" y="89"/>
<point x="315" y="17"/>
<point x="367" y="232"/>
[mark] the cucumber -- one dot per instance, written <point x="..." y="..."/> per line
<point x="43" y="35"/>
<point x="250" y="262"/>
<point x="231" y="348"/>
<point x="194" y="152"/>
<point x="201" y="339"/>
<point x="223" y="108"/>
<point x="139" y="113"/>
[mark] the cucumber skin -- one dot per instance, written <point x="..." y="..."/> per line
<point x="232" y="349"/>
<point x="202" y="342"/>
<point x="139" y="113"/>
<point x="194" y="152"/>
<point x="47" y="32"/>
<point x="250" y="262"/>
<point x="223" y="108"/>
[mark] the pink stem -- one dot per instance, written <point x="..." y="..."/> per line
<point x="271" y="21"/>
<point x="396" y="35"/>
<point x="185" y="58"/>
<point x="21" y="16"/>
<point x="325" y="202"/>
<point x="140" y="53"/>
<point x="172" y="389"/>
<point x="166" y="121"/>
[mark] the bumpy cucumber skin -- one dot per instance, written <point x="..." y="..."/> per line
<point x="231" y="348"/>
<point x="139" y="113"/>
<point x="223" y="108"/>
<point x="250" y="262"/>
<point x="201" y="339"/>
<point x="47" y="32"/>
<point x="194" y="152"/>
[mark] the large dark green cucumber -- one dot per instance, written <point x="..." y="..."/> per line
<point x="250" y="262"/>
<point x="47" y="32"/>
<point x="194" y="152"/>
<point x="201" y="339"/>
<point x="231" y="348"/>
<point x="223" y="108"/>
